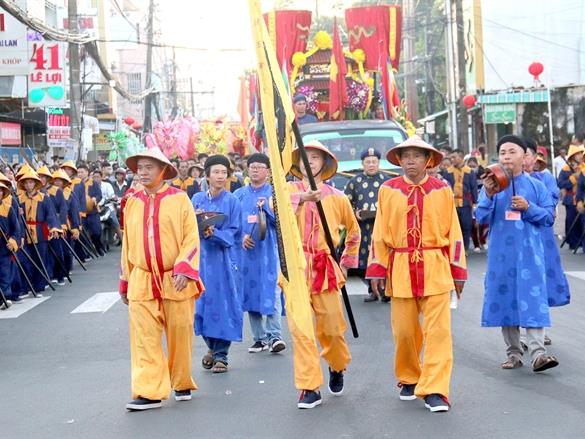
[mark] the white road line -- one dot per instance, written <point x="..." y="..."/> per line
<point x="18" y="309"/>
<point x="577" y="274"/>
<point x="100" y="302"/>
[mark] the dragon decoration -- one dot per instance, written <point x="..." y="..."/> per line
<point x="185" y="137"/>
<point x="123" y="144"/>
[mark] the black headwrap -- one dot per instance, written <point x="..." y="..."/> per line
<point x="218" y="159"/>
<point x="530" y="144"/>
<point x="259" y="158"/>
<point x="511" y="138"/>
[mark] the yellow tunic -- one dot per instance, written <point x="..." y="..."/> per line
<point x="417" y="242"/>
<point x="323" y="273"/>
<point x="161" y="239"/>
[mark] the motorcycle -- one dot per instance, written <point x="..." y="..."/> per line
<point x="109" y="208"/>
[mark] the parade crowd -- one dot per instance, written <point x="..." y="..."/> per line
<point x="200" y="247"/>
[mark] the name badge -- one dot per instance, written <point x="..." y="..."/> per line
<point x="513" y="215"/>
<point x="252" y="219"/>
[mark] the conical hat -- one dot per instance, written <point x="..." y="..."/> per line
<point x="415" y="142"/>
<point x="575" y="149"/>
<point x="5" y="179"/>
<point x="23" y="169"/>
<point x="44" y="170"/>
<point x="155" y="154"/>
<point x="69" y="164"/>
<point x="5" y="190"/>
<point x="62" y="175"/>
<point x="330" y="167"/>
<point x="29" y="175"/>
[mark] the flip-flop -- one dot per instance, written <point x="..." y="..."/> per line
<point x="512" y="363"/>
<point x="207" y="361"/>
<point x="219" y="367"/>
<point x="544" y="362"/>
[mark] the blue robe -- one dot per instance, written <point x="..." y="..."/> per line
<point x="260" y="264"/>
<point x="515" y="282"/>
<point x="218" y="312"/>
<point x="11" y="228"/>
<point x="556" y="281"/>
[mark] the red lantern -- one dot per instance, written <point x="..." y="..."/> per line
<point x="136" y="125"/>
<point x="536" y="69"/>
<point x="129" y="120"/>
<point x="469" y="101"/>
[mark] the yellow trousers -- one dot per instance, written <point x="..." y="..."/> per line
<point x="153" y="375"/>
<point x="330" y="327"/>
<point x="433" y="375"/>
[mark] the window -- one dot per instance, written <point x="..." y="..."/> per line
<point x="134" y="84"/>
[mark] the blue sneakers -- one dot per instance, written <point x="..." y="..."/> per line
<point x="407" y="392"/>
<point x="143" y="404"/>
<point x="309" y="399"/>
<point x="436" y="403"/>
<point x="335" y="382"/>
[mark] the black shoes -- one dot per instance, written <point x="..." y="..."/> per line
<point x="309" y="399"/>
<point x="144" y="404"/>
<point x="335" y="382"/>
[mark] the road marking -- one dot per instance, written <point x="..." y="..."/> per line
<point x="18" y="309"/>
<point x="100" y="302"/>
<point x="577" y="274"/>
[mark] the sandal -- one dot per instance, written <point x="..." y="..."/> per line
<point x="512" y="363"/>
<point x="219" y="367"/>
<point x="544" y="362"/>
<point x="207" y="361"/>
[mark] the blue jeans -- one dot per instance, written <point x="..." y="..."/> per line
<point x="219" y="348"/>
<point x="272" y="330"/>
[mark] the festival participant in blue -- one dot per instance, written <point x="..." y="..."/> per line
<point x="567" y="181"/>
<point x="71" y="223"/>
<point x="59" y="206"/>
<point x="41" y="223"/>
<point x="92" y="197"/>
<point x="463" y="181"/>
<point x="78" y="192"/>
<point x="362" y="192"/>
<point x="515" y="282"/>
<point x="218" y="315"/>
<point x="556" y="281"/>
<point x="300" y="107"/>
<point x="580" y="199"/>
<point x="9" y="238"/>
<point x="12" y="200"/>
<point x="261" y="296"/>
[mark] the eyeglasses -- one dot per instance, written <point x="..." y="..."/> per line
<point x="257" y="168"/>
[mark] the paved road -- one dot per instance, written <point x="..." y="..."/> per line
<point x="66" y="375"/>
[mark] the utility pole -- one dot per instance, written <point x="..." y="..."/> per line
<point x="192" y="99"/>
<point x="410" y="89"/>
<point x="174" y="105"/>
<point x="464" y="140"/>
<point x="147" y="125"/>
<point x="74" y="80"/>
<point x="451" y="95"/>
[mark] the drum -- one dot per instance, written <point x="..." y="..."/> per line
<point x="499" y="174"/>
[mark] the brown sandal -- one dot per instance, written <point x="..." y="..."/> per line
<point x="219" y="367"/>
<point x="512" y="363"/>
<point x="207" y="361"/>
<point x="544" y="362"/>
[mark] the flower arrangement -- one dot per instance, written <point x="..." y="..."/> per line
<point x="357" y="95"/>
<point x="312" y="97"/>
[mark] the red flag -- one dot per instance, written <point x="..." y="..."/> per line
<point x="337" y="88"/>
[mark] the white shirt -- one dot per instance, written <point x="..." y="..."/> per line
<point x="559" y="162"/>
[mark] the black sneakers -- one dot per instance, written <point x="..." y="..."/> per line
<point x="259" y="346"/>
<point x="182" y="395"/>
<point x="436" y="403"/>
<point x="309" y="399"/>
<point x="335" y="382"/>
<point x="407" y="392"/>
<point x="277" y="346"/>
<point x="144" y="404"/>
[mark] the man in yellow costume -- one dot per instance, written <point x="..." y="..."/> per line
<point x="325" y="277"/>
<point x="159" y="282"/>
<point x="418" y="256"/>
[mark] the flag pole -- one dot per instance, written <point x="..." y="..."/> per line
<point x="328" y="239"/>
